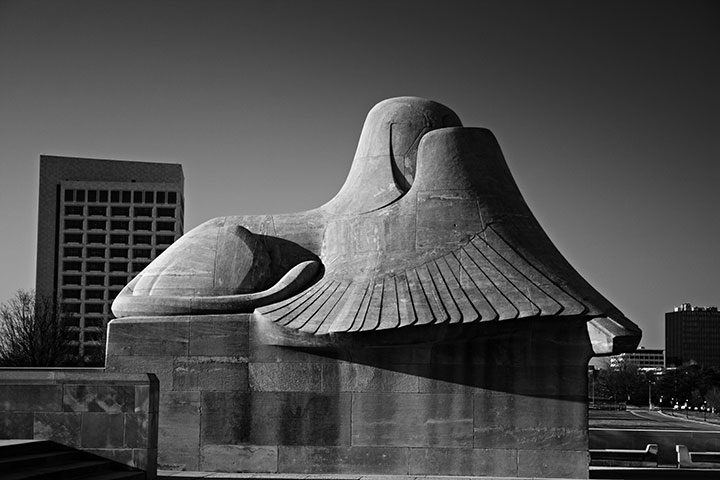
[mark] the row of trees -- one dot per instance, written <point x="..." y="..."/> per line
<point x="33" y="333"/>
<point x="690" y="385"/>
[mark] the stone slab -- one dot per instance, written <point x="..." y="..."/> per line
<point x="463" y="461"/>
<point x="136" y="428"/>
<point x="275" y="418"/>
<point x="343" y="460"/>
<point x="16" y="425"/>
<point x="503" y="420"/>
<point x="354" y="377"/>
<point x="99" y="398"/>
<point x="239" y="458"/>
<point x="62" y="428"/>
<point x="179" y="430"/>
<point x="219" y="335"/>
<point x="148" y="336"/>
<point x="210" y="373"/>
<point x="285" y="377"/>
<point x="553" y="463"/>
<point x="412" y="420"/>
<point x="160" y="366"/>
<point x="30" y="398"/>
<point x="101" y="430"/>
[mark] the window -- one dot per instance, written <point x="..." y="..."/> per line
<point x="166" y="212"/>
<point x="119" y="225"/>
<point x="92" y="322"/>
<point x="95" y="280"/>
<point x="97" y="211"/>
<point x="137" y="197"/>
<point x="142" y="239"/>
<point x="118" y="281"/>
<point x="72" y="251"/>
<point x="73" y="210"/>
<point x="142" y="225"/>
<point x="71" y="321"/>
<point x="95" y="266"/>
<point x="68" y="307"/>
<point x="143" y="211"/>
<point x="73" y="224"/>
<point x="103" y="195"/>
<point x="69" y="195"/>
<point x="165" y="239"/>
<point x="96" y="238"/>
<point x="166" y="226"/>
<point x="94" y="294"/>
<point x="72" y="266"/>
<point x="141" y="253"/>
<point x="138" y="266"/>
<point x="118" y="267"/>
<point x="92" y="196"/>
<point x="73" y="238"/>
<point x="126" y="196"/>
<point x="120" y="211"/>
<point x="118" y="238"/>
<point x="68" y="293"/>
<point x="96" y="224"/>
<point x="160" y="197"/>
<point x="96" y="252"/>
<point x="94" y="307"/>
<point x="71" y="280"/>
<point x="115" y="196"/>
<point x="80" y="195"/>
<point x="172" y="197"/>
<point x="118" y="253"/>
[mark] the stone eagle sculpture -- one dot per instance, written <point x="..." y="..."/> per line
<point x="429" y="238"/>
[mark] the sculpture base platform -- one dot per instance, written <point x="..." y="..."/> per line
<point x="510" y="405"/>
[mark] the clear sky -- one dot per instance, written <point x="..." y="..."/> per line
<point x="607" y="112"/>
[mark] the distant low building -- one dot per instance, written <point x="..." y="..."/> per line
<point x="100" y="222"/>
<point x="692" y="336"/>
<point x="642" y="358"/>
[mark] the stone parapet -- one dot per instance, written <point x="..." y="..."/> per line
<point x="512" y="404"/>
<point x="111" y="415"/>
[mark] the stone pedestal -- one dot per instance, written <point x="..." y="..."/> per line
<point x="511" y="404"/>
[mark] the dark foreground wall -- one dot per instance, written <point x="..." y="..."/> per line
<point x="513" y="404"/>
<point x="113" y="416"/>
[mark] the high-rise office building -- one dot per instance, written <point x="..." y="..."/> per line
<point x="692" y="335"/>
<point x="100" y="222"/>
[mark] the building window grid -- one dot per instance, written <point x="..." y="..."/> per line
<point x="94" y="218"/>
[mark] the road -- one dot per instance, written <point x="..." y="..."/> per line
<point x="634" y="429"/>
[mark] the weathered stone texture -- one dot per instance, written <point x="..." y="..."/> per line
<point x="417" y="420"/>
<point x="179" y="430"/>
<point x="493" y="462"/>
<point x="100" y="430"/>
<point x="63" y="428"/>
<point x="343" y="460"/>
<point x="239" y="458"/>
<point x="275" y="418"/>
<point x="18" y="397"/>
<point x="84" y="408"/>
<point x="99" y="398"/>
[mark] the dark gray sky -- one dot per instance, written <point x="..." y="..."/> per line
<point x="607" y="112"/>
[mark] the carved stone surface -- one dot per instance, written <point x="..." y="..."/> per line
<point x="429" y="238"/>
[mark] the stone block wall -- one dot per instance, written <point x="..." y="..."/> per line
<point x="511" y="405"/>
<point x="113" y="416"/>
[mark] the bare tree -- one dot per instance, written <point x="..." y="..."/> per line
<point x="32" y="333"/>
